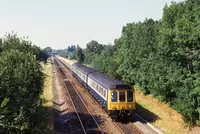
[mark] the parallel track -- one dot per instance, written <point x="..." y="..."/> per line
<point x="124" y="128"/>
<point x="85" y="117"/>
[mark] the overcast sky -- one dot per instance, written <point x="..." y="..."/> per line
<point x="59" y="23"/>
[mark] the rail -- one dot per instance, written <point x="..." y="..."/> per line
<point x="86" y="119"/>
<point x="123" y="128"/>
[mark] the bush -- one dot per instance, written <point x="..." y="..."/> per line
<point x="21" y="81"/>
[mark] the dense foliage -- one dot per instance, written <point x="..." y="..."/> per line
<point x="21" y="81"/>
<point x="162" y="58"/>
<point x="80" y="55"/>
<point x="45" y="53"/>
<point x="69" y="53"/>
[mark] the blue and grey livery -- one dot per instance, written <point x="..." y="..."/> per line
<point x="118" y="98"/>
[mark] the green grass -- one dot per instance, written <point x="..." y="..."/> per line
<point x="47" y="96"/>
<point x="160" y="115"/>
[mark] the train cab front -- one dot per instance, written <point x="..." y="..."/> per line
<point x="121" y="103"/>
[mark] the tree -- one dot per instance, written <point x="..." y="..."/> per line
<point x="21" y="80"/>
<point x="135" y="51"/>
<point x="71" y="48"/>
<point x="80" y="55"/>
<point x="46" y="53"/>
<point x="94" y="47"/>
<point x="179" y="45"/>
<point x="161" y="57"/>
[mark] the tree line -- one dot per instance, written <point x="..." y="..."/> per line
<point x="69" y="53"/>
<point x="161" y="58"/>
<point x="21" y="81"/>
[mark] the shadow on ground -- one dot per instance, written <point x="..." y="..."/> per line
<point x="147" y="116"/>
<point x="68" y="123"/>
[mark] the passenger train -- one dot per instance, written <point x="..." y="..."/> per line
<point x="116" y="97"/>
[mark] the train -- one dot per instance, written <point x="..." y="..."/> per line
<point x="116" y="97"/>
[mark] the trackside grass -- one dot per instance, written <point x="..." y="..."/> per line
<point x="157" y="113"/>
<point x="47" y="94"/>
<point x="161" y="115"/>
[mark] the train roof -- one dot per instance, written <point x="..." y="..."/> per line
<point x="76" y="64"/>
<point x="85" y="69"/>
<point x="108" y="82"/>
<point x="104" y="80"/>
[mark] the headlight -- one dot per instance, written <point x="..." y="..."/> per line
<point x="114" y="108"/>
<point x="130" y="107"/>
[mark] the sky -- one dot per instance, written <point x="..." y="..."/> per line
<point x="61" y="23"/>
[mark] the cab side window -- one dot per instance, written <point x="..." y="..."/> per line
<point x="114" y="96"/>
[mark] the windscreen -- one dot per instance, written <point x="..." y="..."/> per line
<point x="122" y="96"/>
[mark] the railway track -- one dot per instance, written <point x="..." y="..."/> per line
<point x="128" y="128"/>
<point x="86" y="119"/>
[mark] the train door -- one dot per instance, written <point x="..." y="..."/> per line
<point x="112" y="99"/>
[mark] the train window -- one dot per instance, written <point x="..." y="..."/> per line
<point x="104" y="93"/>
<point x="129" y="96"/>
<point x="114" y="97"/>
<point x="93" y="84"/>
<point x="122" y="96"/>
<point x="90" y="81"/>
<point x="101" y="91"/>
<point x="97" y="87"/>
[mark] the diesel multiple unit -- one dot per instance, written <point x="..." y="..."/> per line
<point x="118" y="98"/>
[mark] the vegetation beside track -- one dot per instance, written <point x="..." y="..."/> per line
<point x="161" y="57"/>
<point x="160" y="115"/>
<point x="47" y="95"/>
<point x="21" y="82"/>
